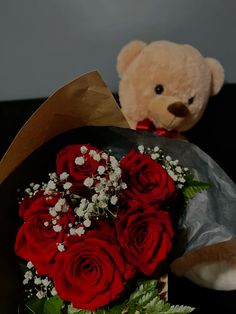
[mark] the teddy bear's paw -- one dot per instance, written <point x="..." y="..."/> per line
<point x="214" y="275"/>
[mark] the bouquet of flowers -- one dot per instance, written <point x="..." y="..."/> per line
<point x="98" y="231"/>
<point x="101" y="228"/>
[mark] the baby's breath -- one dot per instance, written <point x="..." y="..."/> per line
<point x="37" y="286"/>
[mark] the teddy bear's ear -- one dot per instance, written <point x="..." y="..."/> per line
<point x="127" y="54"/>
<point x="217" y="72"/>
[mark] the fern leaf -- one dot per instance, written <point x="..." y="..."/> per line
<point x="195" y="187"/>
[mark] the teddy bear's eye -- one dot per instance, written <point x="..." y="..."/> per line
<point x="159" y="89"/>
<point x="190" y="101"/>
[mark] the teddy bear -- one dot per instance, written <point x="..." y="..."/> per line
<point x="164" y="86"/>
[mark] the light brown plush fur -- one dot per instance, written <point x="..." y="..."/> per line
<point x="182" y="71"/>
<point x="213" y="266"/>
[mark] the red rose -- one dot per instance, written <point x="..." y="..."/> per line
<point x="144" y="235"/>
<point x="27" y="201"/>
<point x="146" y="179"/>
<point x="91" y="272"/>
<point x="80" y="162"/>
<point x="37" y="238"/>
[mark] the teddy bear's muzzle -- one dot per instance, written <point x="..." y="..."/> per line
<point x="167" y="112"/>
<point x="178" y="109"/>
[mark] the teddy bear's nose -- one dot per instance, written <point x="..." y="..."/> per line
<point x="178" y="109"/>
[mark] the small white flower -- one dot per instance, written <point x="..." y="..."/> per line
<point x="40" y="294"/>
<point x="30" y="265"/>
<point x="118" y="171"/>
<point x="96" y="157"/>
<point x="83" y="149"/>
<point x="67" y="185"/>
<point x="102" y="204"/>
<point x="64" y="176"/>
<point x="102" y="196"/>
<point x="25" y="281"/>
<point x="168" y="158"/>
<point x="104" y="156"/>
<point x="51" y="185"/>
<point x="53" y="175"/>
<point x="171" y="173"/>
<point x="174" y="177"/>
<point x="83" y="204"/>
<point x="87" y="223"/>
<point x="79" y="161"/>
<point x="52" y="212"/>
<point x="53" y="291"/>
<point x="94" y="198"/>
<point x="98" y="188"/>
<point x="123" y="185"/>
<point x="182" y="180"/>
<point x="154" y="156"/>
<point x="72" y="231"/>
<point x="28" y="275"/>
<point x="46" y="223"/>
<point x="114" y="199"/>
<point x="36" y="187"/>
<point x="141" y="149"/>
<point x="185" y="169"/>
<point x="92" y="152"/>
<point x="28" y="190"/>
<point x="80" y="231"/>
<point x="59" y="204"/>
<point x="101" y="170"/>
<point x="178" y="169"/>
<point x="45" y="282"/>
<point x="114" y="162"/>
<point x="156" y="149"/>
<point x="88" y="182"/>
<point x="175" y="162"/>
<point x="179" y="186"/>
<point x="115" y="184"/>
<point x="57" y="228"/>
<point x="90" y="207"/>
<point x="79" y="211"/>
<point x="37" y="281"/>
<point x="86" y="215"/>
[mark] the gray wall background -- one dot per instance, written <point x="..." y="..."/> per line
<point x="46" y="43"/>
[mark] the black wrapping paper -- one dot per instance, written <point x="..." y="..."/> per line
<point x="209" y="218"/>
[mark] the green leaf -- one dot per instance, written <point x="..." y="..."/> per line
<point x="146" y="298"/>
<point x="144" y="287"/>
<point x="51" y="305"/>
<point x="193" y="188"/>
<point x="157" y="306"/>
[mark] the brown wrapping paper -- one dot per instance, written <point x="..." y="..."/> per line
<point x="84" y="101"/>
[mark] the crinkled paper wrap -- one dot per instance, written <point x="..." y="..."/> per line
<point x="84" y="101"/>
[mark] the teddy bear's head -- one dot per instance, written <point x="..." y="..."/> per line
<point x="167" y="83"/>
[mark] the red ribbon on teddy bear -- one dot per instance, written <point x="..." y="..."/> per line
<point x="147" y="125"/>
